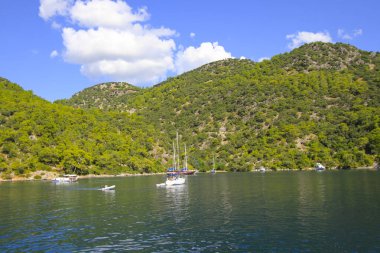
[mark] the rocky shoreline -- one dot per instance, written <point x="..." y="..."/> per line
<point x="49" y="175"/>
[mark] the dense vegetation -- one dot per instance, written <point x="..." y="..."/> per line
<point x="38" y="135"/>
<point x="318" y="103"/>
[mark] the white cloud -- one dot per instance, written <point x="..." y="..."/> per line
<point x="192" y="57"/>
<point x="307" y="37"/>
<point x="192" y="35"/>
<point x="342" y="34"/>
<point x="108" y="38"/>
<point x="50" y="8"/>
<point x="121" y="54"/>
<point x="112" y="41"/>
<point x="85" y="46"/>
<point x="106" y="13"/>
<point x="139" y="71"/>
<point x="53" y="54"/>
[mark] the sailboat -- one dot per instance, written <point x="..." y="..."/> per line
<point x="173" y="175"/>
<point x="185" y="170"/>
<point x="213" y="171"/>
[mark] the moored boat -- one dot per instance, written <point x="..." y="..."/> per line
<point x="262" y="169"/>
<point x="319" y="167"/>
<point x="213" y="171"/>
<point x="68" y="178"/>
<point x="185" y="170"/>
<point x="173" y="175"/>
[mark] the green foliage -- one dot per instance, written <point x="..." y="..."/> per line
<point x="38" y="135"/>
<point x="318" y="103"/>
<point x="314" y="104"/>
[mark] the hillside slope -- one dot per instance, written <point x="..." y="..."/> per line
<point x="325" y="56"/>
<point x="318" y="103"/>
<point x="36" y="135"/>
<point x="103" y="96"/>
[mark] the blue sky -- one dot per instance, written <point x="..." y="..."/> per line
<point x="58" y="47"/>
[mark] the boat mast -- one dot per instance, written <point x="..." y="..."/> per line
<point x="174" y="160"/>
<point x="185" y="158"/>
<point x="178" y="151"/>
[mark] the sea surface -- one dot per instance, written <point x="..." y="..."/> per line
<point x="337" y="211"/>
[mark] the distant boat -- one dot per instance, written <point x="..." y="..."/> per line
<point x="108" y="188"/>
<point x="262" y="169"/>
<point x="319" y="167"/>
<point x="68" y="178"/>
<point x="213" y="171"/>
<point x="185" y="170"/>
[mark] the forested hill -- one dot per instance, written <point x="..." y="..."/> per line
<point x="325" y="56"/>
<point x="36" y="135"/>
<point x="103" y="96"/>
<point x="317" y="103"/>
<point x="307" y="58"/>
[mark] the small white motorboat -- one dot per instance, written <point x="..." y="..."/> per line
<point x="108" y="188"/>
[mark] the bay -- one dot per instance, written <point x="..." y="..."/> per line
<point x="332" y="211"/>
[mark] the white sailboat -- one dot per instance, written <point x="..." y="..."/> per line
<point x="213" y="171"/>
<point x="173" y="175"/>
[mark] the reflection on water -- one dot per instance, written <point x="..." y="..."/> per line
<point x="231" y="212"/>
<point x="177" y="201"/>
<point x="109" y="196"/>
<point x="312" y="213"/>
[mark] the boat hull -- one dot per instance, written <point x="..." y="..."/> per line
<point x="188" y="172"/>
<point x="108" y="188"/>
<point x="177" y="181"/>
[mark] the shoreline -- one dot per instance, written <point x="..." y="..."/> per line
<point x="120" y="175"/>
<point x="49" y="175"/>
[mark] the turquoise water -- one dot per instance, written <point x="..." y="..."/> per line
<point x="226" y="212"/>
